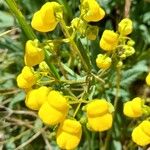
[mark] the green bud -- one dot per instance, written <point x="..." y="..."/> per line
<point x="83" y="120"/>
<point x="119" y="64"/>
<point x="92" y="32"/>
<point x="130" y="43"/>
<point x="123" y="56"/>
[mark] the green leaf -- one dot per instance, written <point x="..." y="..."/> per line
<point x="6" y="20"/>
<point x="130" y="75"/>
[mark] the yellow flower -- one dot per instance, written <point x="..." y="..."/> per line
<point x="26" y="79"/>
<point x="44" y="20"/>
<point x="55" y="109"/>
<point x="133" y="108"/>
<point x="36" y="97"/>
<point x="103" y="61"/>
<point x="109" y="40"/>
<point x="33" y="54"/>
<point x="148" y="79"/>
<point x="91" y="11"/>
<point x="69" y="134"/>
<point x="125" y="26"/>
<point x="141" y="134"/>
<point x="99" y="115"/>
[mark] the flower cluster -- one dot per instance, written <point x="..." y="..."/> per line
<point x="53" y="107"/>
<point x="40" y="79"/>
<point x="116" y="43"/>
<point x="134" y="109"/>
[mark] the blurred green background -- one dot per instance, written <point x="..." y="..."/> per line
<point x="16" y="121"/>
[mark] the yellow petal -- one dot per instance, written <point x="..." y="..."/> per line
<point x="57" y="100"/>
<point x="145" y="126"/>
<point x="139" y="137"/>
<point x="66" y="137"/>
<point x="100" y="123"/>
<point x="125" y="26"/>
<point x="148" y="79"/>
<point x="50" y="115"/>
<point x="109" y="40"/>
<point x="95" y="12"/>
<point x="32" y="100"/>
<point x="97" y="107"/>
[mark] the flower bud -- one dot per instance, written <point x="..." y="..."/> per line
<point x="91" y="11"/>
<point x="69" y="134"/>
<point x="79" y="25"/>
<point x="141" y="134"/>
<point x="26" y="79"/>
<point x="103" y="61"/>
<point x="44" y="20"/>
<point x="119" y="64"/>
<point x="75" y="22"/>
<point x="55" y="109"/>
<point x="33" y="54"/>
<point x="36" y="97"/>
<point x="148" y="79"/>
<point x="133" y="108"/>
<point x="109" y="40"/>
<point x="130" y="43"/>
<point x="92" y="32"/>
<point x="99" y="116"/>
<point x="125" y="26"/>
<point x="128" y="50"/>
<point x="43" y="66"/>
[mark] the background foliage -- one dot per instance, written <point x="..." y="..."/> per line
<point x="18" y="125"/>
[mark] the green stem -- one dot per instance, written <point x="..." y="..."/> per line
<point x="25" y="27"/>
<point x="73" y="44"/>
<point x="53" y="69"/>
<point x="77" y="109"/>
<point x="115" y="107"/>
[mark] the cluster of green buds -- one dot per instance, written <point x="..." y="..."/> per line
<point x="116" y="45"/>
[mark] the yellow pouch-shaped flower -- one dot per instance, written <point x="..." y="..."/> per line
<point x="141" y="134"/>
<point x="55" y="109"/>
<point x="100" y="123"/>
<point x="33" y="54"/>
<point x="69" y="134"/>
<point x="91" y="11"/>
<point x="36" y="97"/>
<point x="26" y="79"/>
<point x="109" y="40"/>
<point x="133" y="108"/>
<point x="148" y="79"/>
<point x="125" y="26"/>
<point x="22" y="83"/>
<point x="103" y="61"/>
<point x="99" y="116"/>
<point x="44" y="20"/>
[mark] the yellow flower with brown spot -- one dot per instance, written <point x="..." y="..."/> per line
<point x="148" y="79"/>
<point x="109" y="40"/>
<point x="36" y="97"/>
<point x="125" y="26"/>
<point x="91" y="11"/>
<point x="26" y="79"/>
<point x="44" y="20"/>
<point x="103" y="61"/>
<point x="133" y="108"/>
<point x="33" y="54"/>
<point x="141" y="134"/>
<point x="55" y="109"/>
<point x="69" y="134"/>
<point x="99" y="115"/>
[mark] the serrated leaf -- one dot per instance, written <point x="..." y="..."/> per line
<point x="132" y="74"/>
